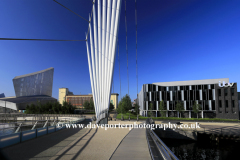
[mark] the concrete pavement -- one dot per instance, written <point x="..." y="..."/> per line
<point x="133" y="147"/>
<point x="78" y="143"/>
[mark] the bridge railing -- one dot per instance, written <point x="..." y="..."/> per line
<point x="19" y="136"/>
<point x="166" y="153"/>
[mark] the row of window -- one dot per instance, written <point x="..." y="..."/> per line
<point x="152" y="87"/>
<point x="179" y="95"/>
<point x="226" y="104"/>
<point x="226" y="92"/>
<point x="228" y="112"/>
<point x="205" y="105"/>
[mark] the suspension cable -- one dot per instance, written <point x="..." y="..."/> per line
<point x="119" y="76"/>
<point x="79" y="15"/>
<point x="37" y="39"/>
<point x="126" y="43"/>
<point x="119" y="71"/>
<point x="136" y="43"/>
<point x="136" y="51"/>
<point x="71" y="10"/>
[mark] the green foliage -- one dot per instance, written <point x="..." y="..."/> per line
<point x="136" y="108"/>
<point x="86" y="105"/>
<point x="111" y="107"/>
<point x="150" y="108"/>
<point x="50" y="108"/>
<point x="179" y="107"/>
<point x="162" y="109"/>
<point x="89" y="105"/>
<point x="124" y="105"/>
<point x="196" y="108"/>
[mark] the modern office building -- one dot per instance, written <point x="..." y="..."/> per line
<point x="217" y="97"/>
<point x="78" y="100"/>
<point x="29" y="88"/>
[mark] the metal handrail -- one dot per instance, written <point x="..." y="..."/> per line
<point x="161" y="143"/>
<point x="162" y="147"/>
<point x="69" y="120"/>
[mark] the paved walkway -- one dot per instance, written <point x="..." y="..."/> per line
<point x="71" y="144"/>
<point x="133" y="147"/>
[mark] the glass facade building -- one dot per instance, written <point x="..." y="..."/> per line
<point x="215" y="101"/>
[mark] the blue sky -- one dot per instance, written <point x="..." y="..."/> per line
<point x="177" y="40"/>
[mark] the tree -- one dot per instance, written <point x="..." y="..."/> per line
<point x="162" y="109"/>
<point x="86" y="105"/>
<point x="56" y="107"/>
<point x="91" y="104"/>
<point x="150" y="108"/>
<point x="125" y="104"/>
<point x="27" y="111"/>
<point x="179" y="108"/>
<point x="136" y="108"/>
<point x="196" y="108"/>
<point x="111" y="107"/>
<point x="32" y="109"/>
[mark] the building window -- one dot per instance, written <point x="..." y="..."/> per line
<point x="193" y="87"/>
<point x="185" y="95"/>
<point x="226" y="103"/>
<point x="204" y="95"/>
<point x="197" y="95"/>
<point x="210" y="95"/>
<point x="187" y="87"/>
<point x="233" y="104"/>
<point x="181" y="87"/>
<point x="232" y="91"/>
<point x="191" y="94"/>
<point x="220" y="111"/>
<point x="220" y="104"/>
<point x="199" y="87"/>
<point x="225" y="92"/>
<point x="213" y="105"/>
<point x="179" y="95"/>
<point x="168" y="96"/>
<point x="205" y="86"/>
<point x="212" y="86"/>
<point x="219" y="92"/>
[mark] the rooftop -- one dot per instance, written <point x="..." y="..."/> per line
<point x="192" y="82"/>
<point x="30" y="74"/>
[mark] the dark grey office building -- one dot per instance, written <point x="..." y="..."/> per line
<point x="217" y="97"/>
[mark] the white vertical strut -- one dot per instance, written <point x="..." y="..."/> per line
<point x="102" y="56"/>
<point x="100" y="53"/>
<point x="106" y="50"/>
<point x="93" y="65"/>
<point x="90" y="73"/>
<point x="96" y="55"/>
<point x="116" y="27"/>
<point x="103" y="50"/>
<point x="110" y="48"/>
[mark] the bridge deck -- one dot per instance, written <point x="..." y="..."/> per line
<point x="72" y="144"/>
<point x="134" y="146"/>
